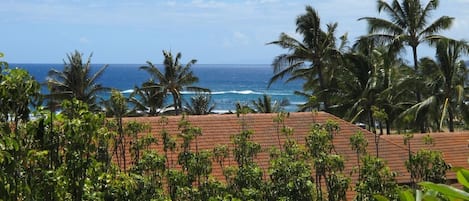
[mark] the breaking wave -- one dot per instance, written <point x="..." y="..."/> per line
<point x="241" y="92"/>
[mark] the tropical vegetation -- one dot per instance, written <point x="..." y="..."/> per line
<point x="174" y="78"/>
<point x="80" y="152"/>
<point x="76" y="80"/>
<point x="370" y="82"/>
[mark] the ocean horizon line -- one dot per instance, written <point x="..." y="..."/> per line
<point x="142" y="64"/>
<point x="228" y="83"/>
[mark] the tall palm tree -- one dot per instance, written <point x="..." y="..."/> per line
<point x="366" y="84"/>
<point x="174" y="78"/>
<point x="447" y="79"/>
<point x="358" y="86"/>
<point x="408" y="25"/>
<point x="454" y="72"/>
<point x="76" y="81"/>
<point x="308" y="59"/>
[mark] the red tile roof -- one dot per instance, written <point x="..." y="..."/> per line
<point x="454" y="147"/>
<point x="218" y="129"/>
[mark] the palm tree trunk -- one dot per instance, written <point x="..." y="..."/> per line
<point x="380" y="127"/>
<point x="417" y="92"/>
<point x="450" y="119"/>
<point x="321" y="83"/>
<point x="176" y="103"/>
<point x="371" y="122"/>
<point x="388" y="127"/>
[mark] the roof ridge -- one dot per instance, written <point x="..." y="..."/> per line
<point x="393" y="143"/>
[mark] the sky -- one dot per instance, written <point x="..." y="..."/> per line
<point x="213" y="32"/>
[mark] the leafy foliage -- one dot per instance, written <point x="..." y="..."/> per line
<point x="77" y="154"/>
<point x="328" y="165"/>
<point x="427" y="165"/>
<point x="76" y="81"/>
<point x="377" y="179"/>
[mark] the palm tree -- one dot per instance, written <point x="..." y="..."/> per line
<point x="309" y="59"/>
<point x="200" y="104"/>
<point x="116" y="105"/>
<point x="175" y="77"/>
<point x="265" y="105"/>
<point x="454" y="73"/>
<point x="148" y="99"/>
<point x="447" y="78"/>
<point x="408" y="25"/>
<point x="367" y="84"/>
<point x="358" y="88"/>
<point x="76" y="81"/>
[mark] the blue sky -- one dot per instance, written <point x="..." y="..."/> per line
<point x="213" y="32"/>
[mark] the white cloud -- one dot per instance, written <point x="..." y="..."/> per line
<point x="237" y="25"/>
<point x="237" y="39"/>
<point x="261" y="1"/>
<point x="84" y="40"/>
<point x="208" y="4"/>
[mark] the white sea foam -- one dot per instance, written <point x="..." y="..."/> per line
<point x="297" y="103"/>
<point x="222" y="111"/>
<point x="250" y="92"/>
<point x="128" y="91"/>
<point x="243" y="92"/>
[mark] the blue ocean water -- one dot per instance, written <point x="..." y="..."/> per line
<point x="229" y="83"/>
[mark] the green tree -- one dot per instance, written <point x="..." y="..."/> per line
<point x="80" y="129"/>
<point x="138" y="144"/>
<point x="148" y="99"/>
<point x="243" y="108"/>
<point x="174" y="78"/>
<point x="427" y="165"/>
<point x="310" y="59"/>
<point x="359" y="144"/>
<point x="377" y="178"/>
<point x="169" y="143"/>
<point x="245" y="180"/>
<point x="358" y="87"/>
<point x="200" y="104"/>
<point x="368" y="78"/>
<point x="290" y="172"/>
<point x="447" y="77"/>
<point x="265" y="105"/>
<point x="18" y="90"/>
<point x="117" y="107"/>
<point x="151" y="168"/>
<point x="76" y="81"/>
<point x="193" y="181"/>
<point x="408" y="24"/>
<point x="328" y="165"/>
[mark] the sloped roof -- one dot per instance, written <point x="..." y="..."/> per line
<point x="217" y="130"/>
<point x="453" y="146"/>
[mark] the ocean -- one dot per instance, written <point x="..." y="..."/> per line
<point x="229" y="83"/>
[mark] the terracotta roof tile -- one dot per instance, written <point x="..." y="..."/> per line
<point x="218" y="129"/>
